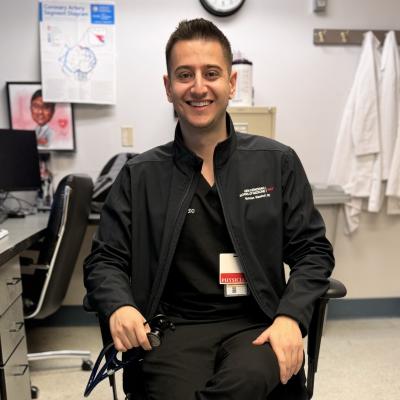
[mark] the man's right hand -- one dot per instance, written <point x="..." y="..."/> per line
<point x="128" y="329"/>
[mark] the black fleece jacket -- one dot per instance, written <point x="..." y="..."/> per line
<point x="269" y="211"/>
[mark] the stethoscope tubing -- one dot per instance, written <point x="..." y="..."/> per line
<point x="113" y="364"/>
<point x="110" y="367"/>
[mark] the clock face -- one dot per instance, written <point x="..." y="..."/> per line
<point x="222" y="8"/>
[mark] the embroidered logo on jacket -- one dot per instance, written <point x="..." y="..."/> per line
<point x="257" y="193"/>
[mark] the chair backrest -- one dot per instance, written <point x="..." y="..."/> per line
<point x="64" y="235"/>
<point x="108" y="175"/>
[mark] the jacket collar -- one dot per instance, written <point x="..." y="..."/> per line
<point x="185" y="158"/>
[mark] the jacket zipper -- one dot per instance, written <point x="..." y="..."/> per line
<point x="180" y="219"/>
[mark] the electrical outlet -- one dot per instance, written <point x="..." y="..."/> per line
<point x="127" y="136"/>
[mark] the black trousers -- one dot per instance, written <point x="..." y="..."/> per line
<point x="214" y="360"/>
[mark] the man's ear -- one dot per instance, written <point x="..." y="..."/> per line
<point x="167" y="85"/>
<point x="232" y="84"/>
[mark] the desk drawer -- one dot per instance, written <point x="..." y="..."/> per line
<point x="11" y="330"/>
<point x="14" y="376"/>
<point x="10" y="283"/>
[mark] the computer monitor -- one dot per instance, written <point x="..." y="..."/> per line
<point x="19" y="161"/>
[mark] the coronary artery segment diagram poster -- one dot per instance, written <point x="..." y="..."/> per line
<point x="77" y="49"/>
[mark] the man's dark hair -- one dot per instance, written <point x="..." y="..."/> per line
<point x="198" y="28"/>
<point x="38" y="93"/>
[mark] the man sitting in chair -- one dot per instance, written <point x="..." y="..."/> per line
<point x="199" y="229"/>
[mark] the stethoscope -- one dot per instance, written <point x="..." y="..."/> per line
<point x="112" y="363"/>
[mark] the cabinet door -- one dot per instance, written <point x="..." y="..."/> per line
<point x="15" y="381"/>
<point x="11" y="330"/>
<point x="10" y="283"/>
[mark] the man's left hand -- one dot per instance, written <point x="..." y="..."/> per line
<point x="284" y="336"/>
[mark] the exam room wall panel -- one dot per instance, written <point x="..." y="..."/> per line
<point x="308" y="85"/>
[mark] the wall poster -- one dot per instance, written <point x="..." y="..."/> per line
<point x="77" y="51"/>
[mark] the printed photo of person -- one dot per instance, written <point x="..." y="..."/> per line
<point x="42" y="113"/>
<point x="52" y="122"/>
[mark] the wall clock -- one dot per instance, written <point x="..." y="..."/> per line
<point x="222" y="8"/>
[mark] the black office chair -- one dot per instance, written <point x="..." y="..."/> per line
<point x="46" y="281"/>
<point x="336" y="290"/>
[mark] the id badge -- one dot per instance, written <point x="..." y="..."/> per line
<point x="231" y="275"/>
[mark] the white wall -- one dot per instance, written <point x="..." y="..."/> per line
<point x="308" y="84"/>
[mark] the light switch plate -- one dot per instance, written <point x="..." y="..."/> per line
<point x="127" y="136"/>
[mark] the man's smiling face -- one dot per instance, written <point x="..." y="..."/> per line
<point x="200" y="84"/>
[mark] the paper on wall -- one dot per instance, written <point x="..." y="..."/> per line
<point x="77" y="50"/>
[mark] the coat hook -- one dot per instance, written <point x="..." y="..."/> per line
<point x="321" y="36"/>
<point x="344" y="36"/>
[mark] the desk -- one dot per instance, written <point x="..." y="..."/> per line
<point x="23" y="232"/>
<point x="14" y="368"/>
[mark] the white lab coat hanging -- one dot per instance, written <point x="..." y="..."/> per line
<point x="354" y="165"/>
<point x="390" y="115"/>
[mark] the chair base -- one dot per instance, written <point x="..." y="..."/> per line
<point x="87" y="363"/>
<point x="34" y="392"/>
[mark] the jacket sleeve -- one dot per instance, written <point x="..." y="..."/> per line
<point x="107" y="270"/>
<point x="306" y="249"/>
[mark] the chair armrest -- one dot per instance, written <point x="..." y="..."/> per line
<point x="87" y="306"/>
<point x="24" y="261"/>
<point x="30" y="269"/>
<point x="336" y="290"/>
